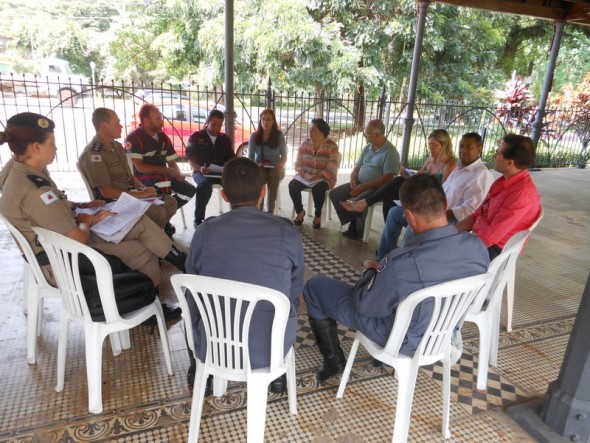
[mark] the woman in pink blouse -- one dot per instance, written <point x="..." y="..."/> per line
<point x="316" y="168"/>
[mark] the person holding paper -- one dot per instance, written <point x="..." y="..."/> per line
<point x="376" y="166"/>
<point x="316" y="167"/>
<point x="268" y="148"/>
<point x="207" y="151"/>
<point x="154" y="158"/>
<point x="31" y="198"/>
<point x="104" y="165"/>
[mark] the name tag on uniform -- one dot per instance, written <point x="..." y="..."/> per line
<point x="96" y="158"/>
<point x="48" y="197"/>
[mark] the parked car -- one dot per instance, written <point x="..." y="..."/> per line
<point x="183" y="116"/>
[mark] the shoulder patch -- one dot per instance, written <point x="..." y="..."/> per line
<point x="96" y="157"/>
<point x="39" y="181"/>
<point x="96" y="146"/>
<point x="48" y="197"/>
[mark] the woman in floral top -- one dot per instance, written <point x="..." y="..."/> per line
<point x="316" y="168"/>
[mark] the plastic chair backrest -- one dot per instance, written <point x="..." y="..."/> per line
<point x="499" y="267"/>
<point x="64" y="255"/>
<point x="227" y="335"/>
<point x="451" y="300"/>
<point x="25" y="247"/>
<point x="86" y="183"/>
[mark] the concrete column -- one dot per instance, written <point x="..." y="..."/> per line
<point x="566" y="407"/>
<point x="422" y="6"/>
<point x="230" y="113"/>
<point x="548" y="81"/>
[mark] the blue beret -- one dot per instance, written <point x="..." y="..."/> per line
<point x="32" y="121"/>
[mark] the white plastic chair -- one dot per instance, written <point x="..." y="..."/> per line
<point x="485" y="310"/>
<point x="512" y="278"/>
<point x="369" y="220"/>
<point x="227" y="351"/>
<point x="64" y="254"/>
<point x="451" y="301"/>
<point x="326" y="210"/>
<point x="36" y="288"/>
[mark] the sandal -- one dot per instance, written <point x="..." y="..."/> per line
<point x="299" y="219"/>
<point x="354" y="205"/>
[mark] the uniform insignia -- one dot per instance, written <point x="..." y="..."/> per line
<point x="96" y="157"/>
<point x="382" y="264"/>
<point x="43" y="123"/>
<point x="48" y="197"/>
<point x="96" y="146"/>
<point x="128" y="145"/>
<point x="39" y="181"/>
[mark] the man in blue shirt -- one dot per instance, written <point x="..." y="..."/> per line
<point x="437" y="253"/>
<point x="251" y="246"/>
<point x="378" y="163"/>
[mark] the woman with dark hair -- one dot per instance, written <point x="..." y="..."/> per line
<point x="316" y="168"/>
<point x="268" y="149"/>
<point x="30" y="198"/>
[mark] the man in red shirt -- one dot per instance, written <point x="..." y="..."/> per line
<point x="513" y="202"/>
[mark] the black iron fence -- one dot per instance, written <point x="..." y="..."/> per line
<point x="563" y="141"/>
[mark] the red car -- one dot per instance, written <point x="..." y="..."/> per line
<point x="183" y="116"/>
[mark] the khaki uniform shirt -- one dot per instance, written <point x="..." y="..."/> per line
<point x="32" y="197"/>
<point x="105" y="165"/>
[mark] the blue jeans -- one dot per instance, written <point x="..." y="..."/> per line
<point x="396" y="220"/>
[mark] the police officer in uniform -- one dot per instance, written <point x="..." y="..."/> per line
<point x="104" y="165"/>
<point x="31" y="198"/>
<point x="154" y="157"/>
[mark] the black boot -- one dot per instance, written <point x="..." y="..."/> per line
<point x="326" y="336"/>
<point x="177" y="258"/>
<point x="278" y="385"/>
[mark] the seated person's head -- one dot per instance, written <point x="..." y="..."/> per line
<point x="242" y="182"/>
<point x="519" y="149"/>
<point x="423" y="195"/>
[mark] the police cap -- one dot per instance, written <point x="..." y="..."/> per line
<point x="32" y="121"/>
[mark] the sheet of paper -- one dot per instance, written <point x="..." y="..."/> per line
<point x="128" y="210"/>
<point x="307" y="182"/>
<point x="215" y="168"/>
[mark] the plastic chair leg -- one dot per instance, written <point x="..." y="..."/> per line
<point x="32" y="325"/>
<point x="405" y="393"/>
<point x="94" y="341"/>
<point x="510" y="299"/>
<point x="256" y="414"/>
<point x="62" y="350"/>
<point x="163" y="336"/>
<point x="115" y="343"/>
<point x="484" y="354"/>
<point x="368" y="222"/>
<point x="292" y="383"/>
<point x="348" y="367"/>
<point x="183" y="217"/>
<point x="197" y="406"/>
<point x="446" y="397"/>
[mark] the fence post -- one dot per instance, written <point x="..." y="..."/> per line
<point x="381" y="104"/>
<point x="269" y="101"/>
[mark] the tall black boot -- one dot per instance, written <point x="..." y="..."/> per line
<point x="177" y="258"/>
<point x="326" y="336"/>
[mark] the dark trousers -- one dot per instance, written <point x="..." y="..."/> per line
<point x="204" y="191"/>
<point x="183" y="191"/>
<point x="318" y="193"/>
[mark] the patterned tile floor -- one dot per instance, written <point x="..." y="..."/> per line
<point x="143" y="404"/>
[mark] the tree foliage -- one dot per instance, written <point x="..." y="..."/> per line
<point x="322" y="45"/>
